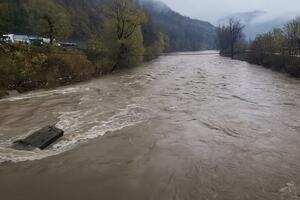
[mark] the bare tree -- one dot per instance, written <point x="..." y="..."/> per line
<point x="223" y="38"/>
<point x="229" y="35"/>
<point x="292" y="32"/>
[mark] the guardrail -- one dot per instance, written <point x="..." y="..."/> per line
<point x="191" y="54"/>
<point x="291" y="51"/>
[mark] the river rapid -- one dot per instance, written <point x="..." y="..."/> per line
<point x="196" y="127"/>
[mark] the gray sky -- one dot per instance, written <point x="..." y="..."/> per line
<point x="212" y="10"/>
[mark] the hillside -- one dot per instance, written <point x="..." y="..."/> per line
<point x="185" y="34"/>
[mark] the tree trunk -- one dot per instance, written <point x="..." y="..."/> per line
<point x="120" y="57"/>
<point x="298" y="42"/>
<point x="50" y="31"/>
<point x="51" y="39"/>
<point x="232" y="51"/>
<point x="51" y="35"/>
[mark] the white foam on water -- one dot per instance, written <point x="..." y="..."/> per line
<point x="77" y="130"/>
<point x="39" y="94"/>
<point x="9" y="154"/>
<point x="71" y="122"/>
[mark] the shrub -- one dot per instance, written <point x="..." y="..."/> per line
<point x="25" y="67"/>
<point x="66" y="68"/>
<point x="293" y="68"/>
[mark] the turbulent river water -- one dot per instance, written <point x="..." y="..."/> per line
<point x="243" y="117"/>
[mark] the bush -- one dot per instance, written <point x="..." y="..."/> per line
<point x="24" y="67"/>
<point x="66" y="68"/>
<point x="293" y="68"/>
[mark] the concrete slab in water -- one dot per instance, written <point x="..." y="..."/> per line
<point x="40" y="139"/>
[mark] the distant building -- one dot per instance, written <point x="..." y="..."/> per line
<point x="39" y="41"/>
<point x="3" y="38"/>
<point x="17" y="38"/>
<point x="21" y="39"/>
<point x="7" y="38"/>
<point x="13" y="38"/>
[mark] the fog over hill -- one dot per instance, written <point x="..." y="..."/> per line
<point x="185" y="33"/>
<point x="257" y="22"/>
<point x="259" y="15"/>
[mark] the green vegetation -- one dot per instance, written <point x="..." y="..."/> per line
<point x="111" y="34"/>
<point x="278" y="49"/>
<point x="184" y="33"/>
<point x="285" y="40"/>
<point x="49" y="19"/>
<point x="116" y="42"/>
<point x="122" y="36"/>
<point x="24" y="67"/>
<point x="84" y="19"/>
<point x="13" y="17"/>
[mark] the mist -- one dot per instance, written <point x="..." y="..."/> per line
<point x="213" y="10"/>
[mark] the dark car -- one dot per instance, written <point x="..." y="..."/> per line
<point x="36" y="41"/>
<point x="4" y="38"/>
<point x="68" y="44"/>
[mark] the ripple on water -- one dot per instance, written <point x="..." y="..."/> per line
<point x="289" y="192"/>
<point x="40" y="94"/>
<point x="77" y="130"/>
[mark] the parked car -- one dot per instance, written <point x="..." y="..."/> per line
<point x="36" y="41"/>
<point x="4" y="38"/>
<point x="67" y="44"/>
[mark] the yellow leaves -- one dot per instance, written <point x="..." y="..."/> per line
<point x="39" y="60"/>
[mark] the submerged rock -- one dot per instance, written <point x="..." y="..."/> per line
<point x="40" y="139"/>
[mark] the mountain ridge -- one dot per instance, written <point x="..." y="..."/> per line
<point x="86" y="19"/>
<point x="186" y="34"/>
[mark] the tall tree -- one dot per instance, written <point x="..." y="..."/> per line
<point x="122" y="30"/>
<point x="229" y="35"/>
<point x="155" y="41"/>
<point x="49" y="19"/>
<point x="13" y="17"/>
<point x="292" y="31"/>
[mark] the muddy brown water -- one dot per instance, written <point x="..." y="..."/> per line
<point x="183" y="127"/>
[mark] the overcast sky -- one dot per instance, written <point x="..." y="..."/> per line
<point x="213" y="10"/>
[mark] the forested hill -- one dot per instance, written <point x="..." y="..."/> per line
<point x="184" y="34"/>
<point x="86" y="16"/>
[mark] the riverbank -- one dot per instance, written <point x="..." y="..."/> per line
<point x="278" y="62"/>
<point x="26" y="68"/>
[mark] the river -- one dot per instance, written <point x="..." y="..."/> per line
<point x="182" y="127"/>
